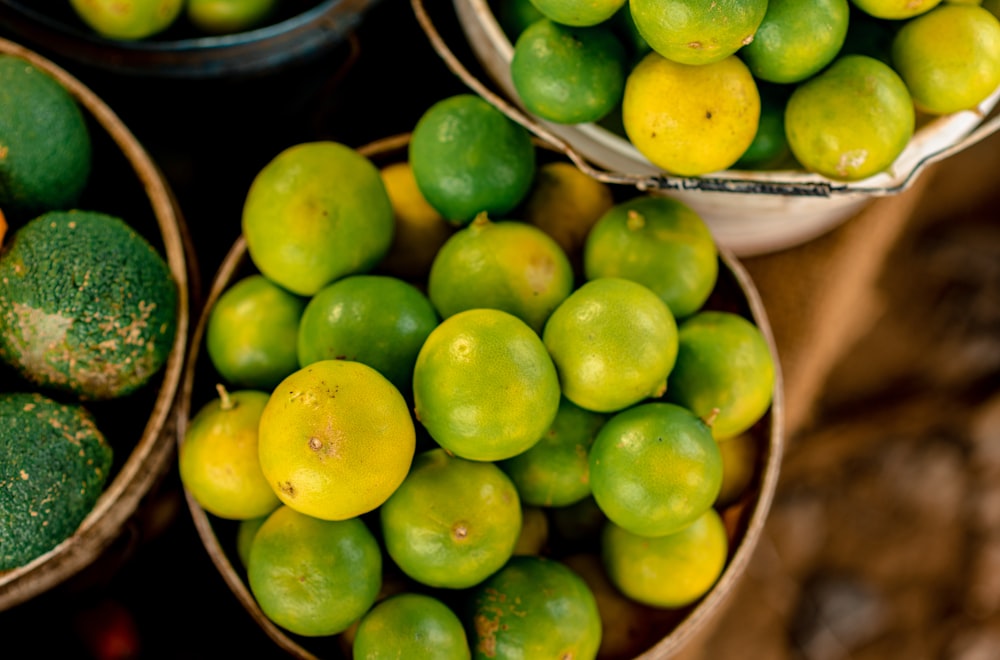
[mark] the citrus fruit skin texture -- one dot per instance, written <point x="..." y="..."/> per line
<point x="655" y="468"/>
<point x="508" y="265"/>
<point x="614" y="342"/>
<point x="335" y="439"/>
<point x="669" y="571"/>
<point x="313" y="577"/>
<point x="690" y="120"/>
<point x="46" y="143"/>
<point x="218" y="461"/>
<point x="411" y="625"/>
<point x="316" y="212"/>
<point x="484" y="386"/>
<point x="468" y="157"/>
<point x="130" y="20"/>
<point x="420" y="230"/>
<point x="568" y="75"/>
<point x="251" y="333"/>
<point x="949" y="57"/>
<point x="850" y="121"/>
<point x="452" y="522"/>
<point x="534" y="607"/>
<point x="895" y="9"/>
<point x="555" y="471"/>
<point x="576" y="13"/>
<point x="724" y="372"/>
<point x="796" y="39"/>
<point x="377" y="320"/>
<point x="695" y="32"/>
<point x="659" y="242"/>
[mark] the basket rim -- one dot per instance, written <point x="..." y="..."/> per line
<point x="150" y="456"/>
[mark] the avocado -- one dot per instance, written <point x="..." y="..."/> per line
<point x="87" y="305"/>
<point x="45" y="142"/>
<point x="54" y="463"/>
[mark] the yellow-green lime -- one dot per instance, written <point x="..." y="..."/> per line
<point x="468" y="157"/>
<point x="796" y="39"/>
<point x="218" y="462"/>
<point x="378" y="320"/>
<point x="484" y="385"/>
<point x="507" y="264"/>
<point x="659" y="242"/>
<point x="336" y="438"/>
<point x="251" y="333"/>
<point x="670" y="571"/>
<point x="229" y="16"/>
<point x="655" y="468"/>
<point x="555" y="471"/>
<point x="452" y="522"/>
<point x="850" y="121"/>
<point x="246" y="531"/>
<point x="314" y="577"/>
<point x="568" y="75"/>
<point x="769" y="149"/>
<point x="696" y="32"/>
<point x="690" y="120"/>
<point x="949" y="57"/>
<point x="739" y="464"/>
<point x="895" y="9"/>
<point x="576" y="13"/>
<point x="316" y="212"/>
<point x="613" y="342"/>
<point x="725" y="372"/>
<point x="128" y="21"/>
<point x="534" y="607"/>
<point x="411" y="625"/>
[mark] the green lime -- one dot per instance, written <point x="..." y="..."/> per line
<point x="251" y="333"/>
<point x="468" y="157"/>
<point x="697" y="32"/>
<point x="411" y="625"/>
<point x="568" y="75"/>
<point x="769" y="149"/>
<point x="377" y="320"/>
<point x="576" y="13"/>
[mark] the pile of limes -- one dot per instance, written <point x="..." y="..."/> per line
<point x="473" y="401"/>
<point x="834" y="87"/>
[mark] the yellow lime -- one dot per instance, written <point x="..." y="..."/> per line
<point x="668" y="571"/>
<point x="316" y="212"/>
<point x="697" y="32"/>
<point x="314" y="577"/>
<point x="251" y="333"/>
<point x="484" y="385"/>
<point x="796" y="39"/>
<point x="850" y="121"/>
<point x="691" y="120"/>
<point x="508" y="265"/>
<point x="411" y="625"/>
<point x="452" y="522"/>
<point x="555" y="471"/>
<point x="336" y="439"/>
<point x="420" y="230"/>
<point x="739" y="463"/>
<point x="468" y="157"/>
<point x="659" y="242"/>
<point x="949" y="57"/>
<point x="725" y="372"/>
<point x="613" y="342"/>
<point x="568" y="75"/>
<point x="218" y="462"/>
<point x="377" y="320"/>
<point x="655" y="468"/>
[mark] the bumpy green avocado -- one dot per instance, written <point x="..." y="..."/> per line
<point x="87" y="305"/>
<point x="45" y="144"/>
<point x="54" y="463"/>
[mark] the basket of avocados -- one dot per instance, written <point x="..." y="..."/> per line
<point x="95" y="265"/>
<point x="412" y="445"/>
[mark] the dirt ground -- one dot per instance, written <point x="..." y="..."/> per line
<point x="883" y="540"/>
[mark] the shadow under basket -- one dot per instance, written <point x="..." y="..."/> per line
<point x="124" y="182"/>
<point x="675" y="630"/>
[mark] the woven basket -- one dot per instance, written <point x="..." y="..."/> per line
<point x="136" y="190"/>
<point x="676" y="629"/>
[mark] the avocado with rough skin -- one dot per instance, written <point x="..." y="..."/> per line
<point x="87" y="305"/>
<point x="54" y="463"/>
